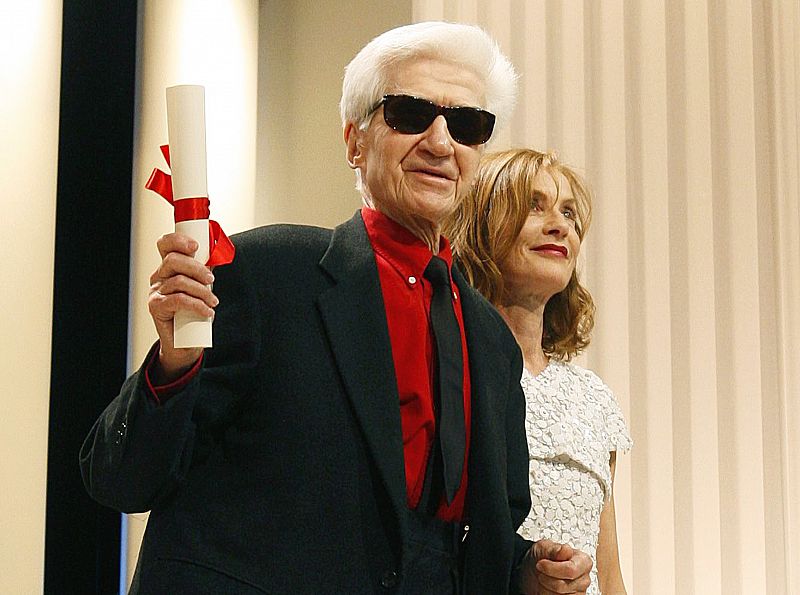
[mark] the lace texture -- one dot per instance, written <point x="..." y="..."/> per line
<point x="573" y="422"/>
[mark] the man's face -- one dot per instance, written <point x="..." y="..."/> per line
<point x="418" y="179"/>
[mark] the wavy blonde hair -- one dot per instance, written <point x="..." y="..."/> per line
<point x="487" y="222"/>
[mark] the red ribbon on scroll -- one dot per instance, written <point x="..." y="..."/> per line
<point x="220" y="248"/>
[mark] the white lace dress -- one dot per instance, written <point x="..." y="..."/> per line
<point x="573" y="422"/>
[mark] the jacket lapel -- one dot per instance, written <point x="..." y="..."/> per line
<point x="355" y="320"/>
<point x="482" y="341"/>
<point x="488" y="376"/>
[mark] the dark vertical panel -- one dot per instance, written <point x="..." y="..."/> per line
<point x="90" y="311"/>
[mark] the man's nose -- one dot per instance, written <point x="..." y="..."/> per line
<point x="437" y="137"/>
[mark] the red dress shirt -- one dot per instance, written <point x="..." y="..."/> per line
<point x="402" y="258"/>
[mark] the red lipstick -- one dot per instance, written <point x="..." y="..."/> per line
<point x="553" y="248"/>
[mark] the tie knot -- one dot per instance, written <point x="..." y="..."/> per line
<point x="437" y="273"/>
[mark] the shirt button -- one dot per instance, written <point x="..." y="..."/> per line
<point x="412" y="280"/>
<point x="389" y="579"/>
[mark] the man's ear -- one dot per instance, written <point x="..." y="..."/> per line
<point x="354" y="142"/>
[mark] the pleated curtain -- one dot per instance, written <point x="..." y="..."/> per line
<point x="683" y="117"/>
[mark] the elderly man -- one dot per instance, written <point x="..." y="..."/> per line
<point x="358" y="425"/>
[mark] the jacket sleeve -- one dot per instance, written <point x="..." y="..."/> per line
<point x="138" y="452"/>
<point x="519" y="496"/>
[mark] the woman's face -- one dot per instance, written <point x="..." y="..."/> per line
<point x="544" y="254"/>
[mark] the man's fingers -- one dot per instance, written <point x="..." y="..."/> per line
<point x="180" y="283"/>
<point x="546" y="549"/>
<point x="563" y="553"/>
<point x="561" y="568"/>
<point x="176" y="242"/>
<point x="184" y="284"/>
<point x="565" y="570"/>
<point x="175" y="263"/>
<point x="548" y="584"/>
<point x="180" y="294"/>
<point x="164" y="307"/>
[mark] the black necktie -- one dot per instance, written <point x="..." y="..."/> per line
<point x="449" y="377"/>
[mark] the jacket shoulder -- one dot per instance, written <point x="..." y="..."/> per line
<point x="282" y="236"/>
<point x="273" y="252"/>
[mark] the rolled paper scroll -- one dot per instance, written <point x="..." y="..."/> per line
<point x="186" y="122"/>
<point x="187" y="191"/>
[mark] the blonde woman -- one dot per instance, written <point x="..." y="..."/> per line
<point x="517" y="237"/>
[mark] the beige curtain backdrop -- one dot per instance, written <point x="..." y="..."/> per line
<point x="683" y="116"/>
<point x="30" y="74"/>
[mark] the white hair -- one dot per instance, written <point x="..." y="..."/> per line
<point x="367" y="77"/>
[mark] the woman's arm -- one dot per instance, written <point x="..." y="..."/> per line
<point x="609" y="573"/>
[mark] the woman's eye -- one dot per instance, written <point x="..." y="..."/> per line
<point x="569" y="214"/>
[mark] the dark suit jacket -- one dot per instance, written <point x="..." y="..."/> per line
<point x="279" y="468"/>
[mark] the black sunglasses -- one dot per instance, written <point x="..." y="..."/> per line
<point x="412" y="115"/>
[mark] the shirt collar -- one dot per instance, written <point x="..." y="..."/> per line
<point x="404" y="251"/>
